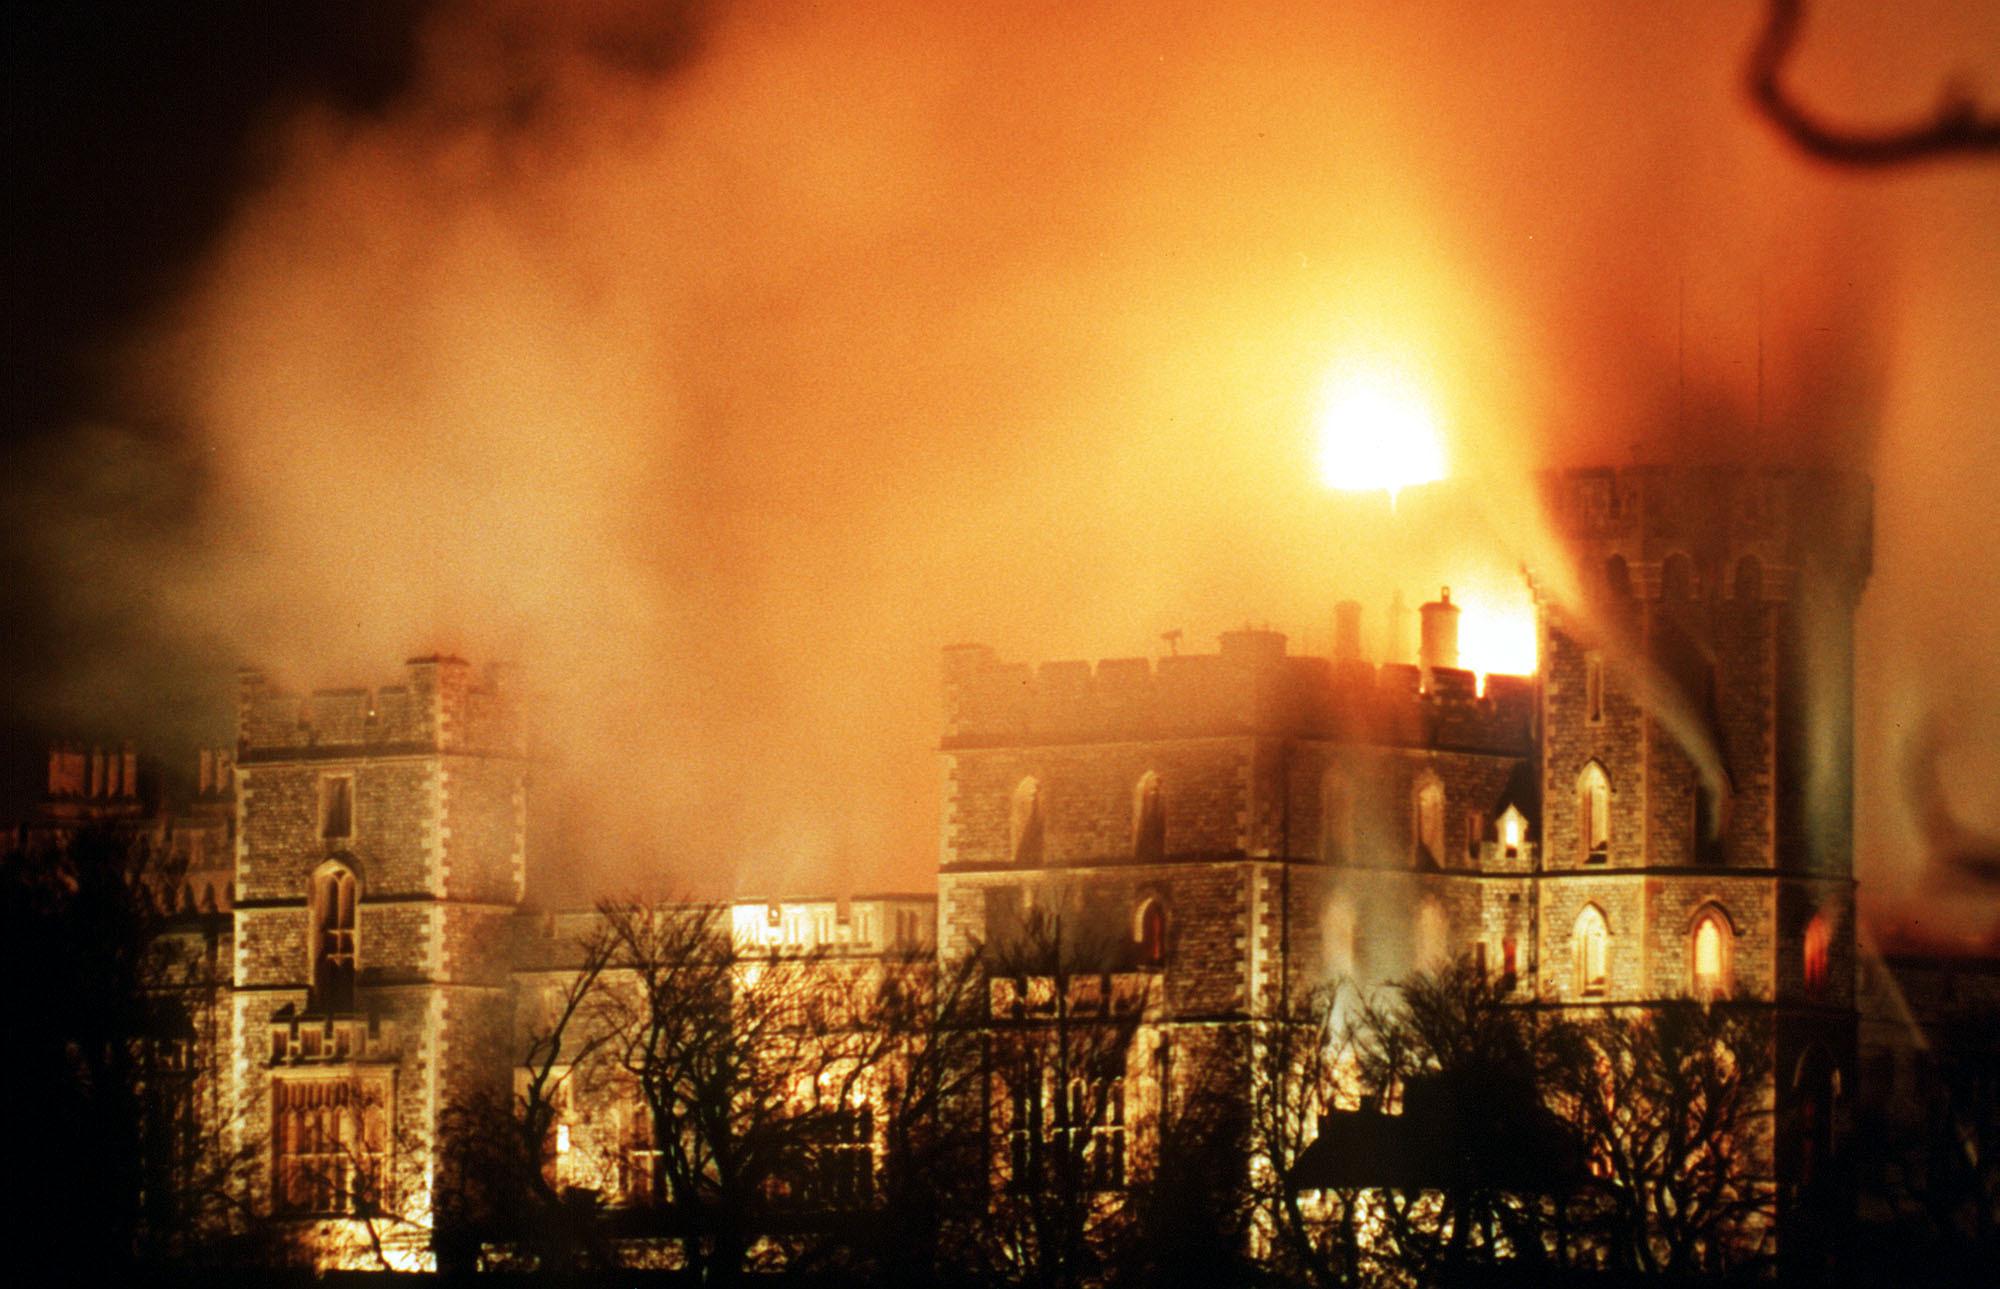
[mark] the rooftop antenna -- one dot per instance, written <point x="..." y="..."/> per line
<point x="1173" y="639"/>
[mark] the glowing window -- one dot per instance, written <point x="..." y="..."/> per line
<point x="1336" y="816"/>
<point x="1430" y="824"/>
<point x="1710" y="952"/>
<point x="1513" y="831"/>
<point x="1593" y="952"/>
<point x="1149" y="820"/>
<point x="1152" y="933"/>
<point x="1593" y="812"/>
<point x="1025" y="823"/>
<point x="327" y="1143"/>
<point x="331" y="902"/>
<point x="1818" y="936"/>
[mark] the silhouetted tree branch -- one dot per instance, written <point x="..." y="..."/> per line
<point x="1957" y="128"/>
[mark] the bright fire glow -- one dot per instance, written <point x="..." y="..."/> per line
<point x="1377" y="431"/>
<point x="1496" y="638"/>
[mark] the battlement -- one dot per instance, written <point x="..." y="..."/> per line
<point x="443" y="705"/>
<point x="1716" y="518"/>
<point x="1251" y="685"/>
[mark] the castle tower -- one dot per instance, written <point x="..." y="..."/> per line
<point x="379" y="856"/>
<point x="1696" y="718"/>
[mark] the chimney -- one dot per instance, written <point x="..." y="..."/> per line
<point x="1347" y="631"/>
<point x="1439" y="629"/>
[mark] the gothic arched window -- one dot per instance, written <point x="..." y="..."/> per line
<point x="1429" y="806"/>
<point x="1592" y="940"/>
<point x="1708" y="955"/>
<point x="1149" y="820"/>
<point x="1617" y="578"/>
<point x="1024" y="824"/>
<point x="1593" y="813"/>
<point x="1150" y="932"/>
<point x="332" y="902"/>
<point x="1677" y="578"/>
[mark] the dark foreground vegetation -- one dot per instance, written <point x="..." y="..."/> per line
<point x="1426" y="1133"/>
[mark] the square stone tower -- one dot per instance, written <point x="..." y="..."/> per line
<point x="379" y="854"/>
<point x="1696" y="759"/>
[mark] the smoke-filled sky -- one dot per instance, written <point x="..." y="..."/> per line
<point x="722" y="362"/>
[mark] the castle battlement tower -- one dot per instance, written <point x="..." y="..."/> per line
<point x="380" y="854"/>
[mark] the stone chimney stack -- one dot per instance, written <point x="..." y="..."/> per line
<point x="1438" y="647"/>
<point x="1347" y="631"/>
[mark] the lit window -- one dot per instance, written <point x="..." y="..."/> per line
<point x="1025" y="823"/>
<point x="1593" y="952"/>
<point x="331" y="909"/>
<point x="1710" y="952"/>
<point x="1513" y="831"/>
<point x="1430" y="824"/>
<point x="327" y="1144"/>
<point x="1593" y="811"/>
<point x="1149" y="821"/>
<point x="1152" y="937"/>
<point x="1817" y="938"/>
<point x="336" y="807"/>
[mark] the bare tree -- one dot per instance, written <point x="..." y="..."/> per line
<point x="499" y="1181"/>
<point x="1674" y="1103"/>
<point x="1063" y="1027"/>
<point x="753" y="1070"/>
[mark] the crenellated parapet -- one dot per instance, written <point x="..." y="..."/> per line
<point x="1251" y="685"/>
<point x="443" y="704"/>
<point x="1712" y="533"/>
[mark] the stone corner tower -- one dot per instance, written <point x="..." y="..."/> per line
<point x="380" y="853"/>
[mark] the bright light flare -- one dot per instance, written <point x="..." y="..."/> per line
<point x="1496" y="638"/>
<point x="1377" y="432"/>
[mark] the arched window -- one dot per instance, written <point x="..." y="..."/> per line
<point x="1336" y="816"/>
<point x="1149" y="930"/>
<point x="1024" y="826"/>
<point x="1593" y="813"/>
<point x="1818" y="937"/>
<point x="331" y="905"/>
<point x="1593" y="952"/>
<point x="1677" y="578"/>
<point x="1429" y="805"/>
<point x="1617" y="578"/>
<point x="1149" y="820"/>
<point x="1708" y="955"/>
<point x="1749" y="579"/>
